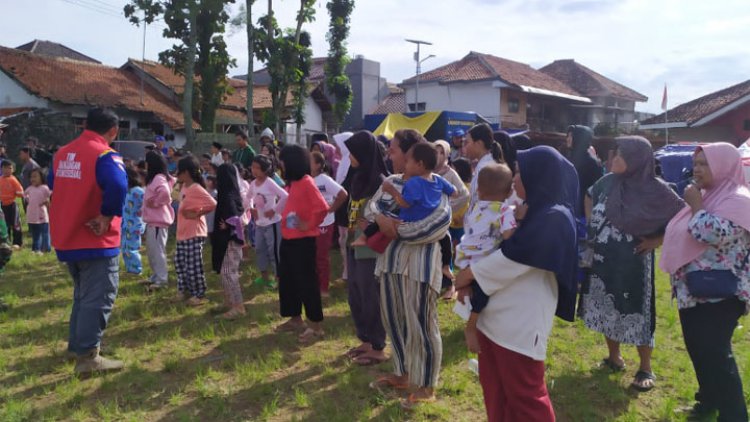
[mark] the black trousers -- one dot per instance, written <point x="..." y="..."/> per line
<point x="707" y="329"/>
<point x="298" y="279"/>
<point x="13" y="221"/>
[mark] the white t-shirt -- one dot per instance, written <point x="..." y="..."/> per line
<point x="329" y="189"/>
<point x="267" y="196"/>
<point x="483" y="231"/>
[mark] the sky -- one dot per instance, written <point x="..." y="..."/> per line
<point x="694" y="47"/>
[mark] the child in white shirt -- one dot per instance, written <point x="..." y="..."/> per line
<point x="488" y="223"/>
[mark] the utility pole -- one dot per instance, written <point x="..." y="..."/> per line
<point x="419" y="67"/>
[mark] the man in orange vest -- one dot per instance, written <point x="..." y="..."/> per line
<point x="89" y="183"/>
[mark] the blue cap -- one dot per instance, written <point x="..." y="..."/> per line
<point x="159" y="138"/>
<point x="459" y="132"/>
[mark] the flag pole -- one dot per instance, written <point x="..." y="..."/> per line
<point x="666" y="126"/>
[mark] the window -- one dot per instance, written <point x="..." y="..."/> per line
<point x="746" y="125"/>
<point x="513" y="105"/>
<point x="417" y="107"/>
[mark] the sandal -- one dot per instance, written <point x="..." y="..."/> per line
<point x="390" y="382"/>
<point x="310" y="335"/>
<point x="355" y="351"/>
<point x="232" y="314"/>
<point x="413" y="401"/>
<point x="643" y="381"/>
<point x="612" y="365"/>
<point x="290" y="326"/>
<point x="365" y="360"/>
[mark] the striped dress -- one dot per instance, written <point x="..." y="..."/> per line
<point x="410" y="275"/>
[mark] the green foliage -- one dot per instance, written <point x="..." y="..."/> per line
<point x="336" y="79"/>
<point x="212" y="61"/>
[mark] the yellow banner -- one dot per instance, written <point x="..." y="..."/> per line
<point x="396" y="121"/>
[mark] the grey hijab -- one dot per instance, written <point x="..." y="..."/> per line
<point x="638" y="203"/>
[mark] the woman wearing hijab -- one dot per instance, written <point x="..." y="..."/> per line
<point x="712" y="234"/>
<point x="228" y="238"/>
<point x="627" y="212"/>
<point x="368" y="173"/>
<point x="529" y="279"/>
<point x="410" y="276"/>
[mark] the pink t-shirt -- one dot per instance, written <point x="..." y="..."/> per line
<point x="37" y="197"/>
<point x="194" y="198"/>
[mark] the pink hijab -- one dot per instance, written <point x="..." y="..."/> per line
<point x="729" y="198"/>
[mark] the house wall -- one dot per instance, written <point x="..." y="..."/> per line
<point x="508" y="118"/>
<point x="368" y="89"/>
<point x="14" y="95"/>
<point x="479" y="97"/>
<point x="707" y="133"/>
<point x="313" y="123"/>
<point x="735" y="121"/>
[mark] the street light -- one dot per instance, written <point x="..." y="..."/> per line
<point x="419" y="67"/>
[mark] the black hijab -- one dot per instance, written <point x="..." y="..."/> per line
<point x="639" y="203"/>
<point x="588" y="168"/>
<point x="228" y="204"/>
<point x="546" y="238"/>
<point x="367" y="178"/>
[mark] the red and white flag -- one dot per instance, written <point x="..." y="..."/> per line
<point x="664" y="99"/>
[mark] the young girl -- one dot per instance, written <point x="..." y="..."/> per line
<point x="132" y="223"/>
<point x="37" y="215"/>
<point x="266" y="200"/>
<point x="195" y="203"/>
<point x="305" y="210"/>
<point x="335" y="196"/>
<point x="158" y="215"/>
<point x="228" y="239"/>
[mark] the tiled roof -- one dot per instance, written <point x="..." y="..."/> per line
<point x="161" y="73"/>
<point x="477" y="66"/>
<point x="83" y="83"/>
<point x="393" y="103"/>
<point x="695" y="110"/>
<point x="53" y="49"/>
<point x="588" y="82"/>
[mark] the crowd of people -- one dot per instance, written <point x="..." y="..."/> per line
<point x="513" y="233"/>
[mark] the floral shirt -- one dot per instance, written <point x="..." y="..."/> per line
<point x="485" y="226"/>
<point x="728" y="249"/>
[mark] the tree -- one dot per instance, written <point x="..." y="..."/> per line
<point x="199" y="25"/>
<point x="285" y="53"/>
<point x="245" y="18"/>
<point x="336" y="79"/>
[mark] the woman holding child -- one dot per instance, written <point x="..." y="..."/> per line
<point x="410" y="277"/>
<point x="529" y="279"/>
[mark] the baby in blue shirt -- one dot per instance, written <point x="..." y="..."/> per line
<point x="422" y="191"/>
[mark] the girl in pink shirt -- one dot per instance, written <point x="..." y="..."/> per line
<point x="158" y="215"/>
<point x="195" y="203"/>
<point x="37" y="197"/>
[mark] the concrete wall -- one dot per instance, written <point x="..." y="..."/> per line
<point x="512" y="119"/>
<point x="368" y="90"/>
<point x="313" y="123"/>
<point x="479" y="97"/>
<point x="13" y="95"/>
<point x="702" y="134"/>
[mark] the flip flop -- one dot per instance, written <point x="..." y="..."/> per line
<point x="354" y="352"/>
<point x="413" y="401"/>
<point x="388" y="381"/>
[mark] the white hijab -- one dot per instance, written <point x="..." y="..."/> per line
<point x="345" y="162"/>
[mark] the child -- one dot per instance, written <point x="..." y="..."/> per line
<point x="304" y="211"/>
<point x="132" y="223"/>
<point x="158" y="215"/>
<point x="266" y="200"/>
<point x="228" y="239"/>
<point x="489" y="223"/>
<point x="335" y="196"/>
<point x="5" y="252"/>
<point x="422" y="190"/>
<point x="10" y="189"/>
<point x="37" y="212"/>
<point x="195" y="203"/>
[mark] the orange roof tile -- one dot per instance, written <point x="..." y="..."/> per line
<point x="84" y="83"/>
<point x="588" y="82"/>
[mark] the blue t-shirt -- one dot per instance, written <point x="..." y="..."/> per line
<point x="423" y="196"/>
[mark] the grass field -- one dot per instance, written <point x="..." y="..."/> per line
<point x="184" y="365"/>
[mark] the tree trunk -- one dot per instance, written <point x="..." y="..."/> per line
<point x="250" y="66"/>
<point x="187" y="98"/>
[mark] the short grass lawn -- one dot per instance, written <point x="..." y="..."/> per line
<point x="185" y="365"/>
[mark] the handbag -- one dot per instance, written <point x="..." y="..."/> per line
<point x="712" y="284"/>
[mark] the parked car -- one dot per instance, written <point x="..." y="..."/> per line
<point x="132" y="150"/>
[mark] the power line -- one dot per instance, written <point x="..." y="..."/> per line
<point x="101" y="10"/>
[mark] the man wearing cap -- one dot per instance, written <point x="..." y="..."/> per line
<point x="216" y="158"/>
<point x="161" y="144"/>
<point x="266" y="136"/>
<point x="457" y="144"/>
<point x="244" y="153"/>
